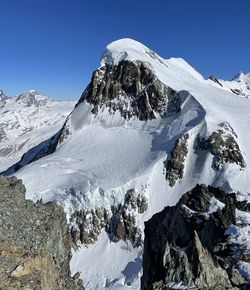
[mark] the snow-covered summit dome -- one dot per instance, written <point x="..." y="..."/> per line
<point x="126" y="49"/>
<point x="132" y="50"/>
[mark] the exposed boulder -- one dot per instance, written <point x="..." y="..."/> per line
<point x="35" y="247"/>
<point x="175" y="164"/>
<point x="186" y="246"/>
<point x="222" y="145"/>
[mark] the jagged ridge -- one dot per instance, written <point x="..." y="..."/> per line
<point x="186" y="245"/>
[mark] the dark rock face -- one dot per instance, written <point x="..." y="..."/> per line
<point x="119" y="221"/>
<point x="122" y="225"/>
<point x="35" y="244"/>
<point x="237" y="92"/>
<point x="88" y="225"/>
<point x="186" y="243"/>
<point x="133" y="89"/>
<point x="214" y="79"/>
<point x="175" y="164"/>
<point x="223" y="146"/>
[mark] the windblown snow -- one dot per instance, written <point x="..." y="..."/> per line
<point x="105" y="155"/>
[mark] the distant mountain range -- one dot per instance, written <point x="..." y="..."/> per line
<point x="26" y="120"/>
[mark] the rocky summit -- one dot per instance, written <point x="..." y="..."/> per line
<point x="34" y="243"/>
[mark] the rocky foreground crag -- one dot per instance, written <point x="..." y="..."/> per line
<point x="34" y="243"/>
<point x="188" y="246"/>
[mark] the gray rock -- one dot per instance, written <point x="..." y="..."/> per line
<point x="186" y="244"/>
<point x="131" y="88"/>
<point x="222" y="145"/>
<point x="88" y="224"/>
<point x="35" y="247"/>
<point x="237" y="92"/>
<point x="119" y="221"/>
<point x="207" y="273"/>
<point x="214" y="79"/>
<point x="175" y="164"/>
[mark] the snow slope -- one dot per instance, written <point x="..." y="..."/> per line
<point x="105" y="155"/>
<point x="239" y="85"/>
<point x="26" y="120"/>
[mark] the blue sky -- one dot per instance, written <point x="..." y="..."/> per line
<point x="54" y="45"/>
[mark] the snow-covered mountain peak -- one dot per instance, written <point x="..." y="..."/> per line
<point x="124" y="49"/>
<point x="2" y="95"/>
<point x="3" y="99"/>
<point x="238" y="76"/>
<point x="26" y="120"/>
<point x="32" y="98"/>
<point x="145" y="131"/>
<point x="136" y="83"/>
<point x="130" y="50"/>
<point x="242" y="77"/>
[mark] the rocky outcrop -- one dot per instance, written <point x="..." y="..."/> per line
<point x="35" y="244"/>
<point x="131" y="88"/>
<point x="175" y="164"/>
<point x="87" y="224"/>
<point x="237" y="92"/>
<point x="186" y="246"/>
<point x="123" y="224"/>
<point x="222" y="145"/>
<point x="119" y="221"/>
<point x="214" y="79"/>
